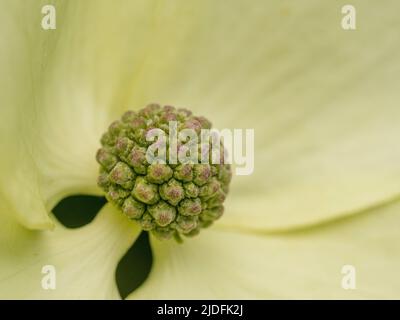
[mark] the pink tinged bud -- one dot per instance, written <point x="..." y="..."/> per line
<point x="210" y="188"/>
<point x="137" y="159"/>
<point x="190" y="207"/>
<point x="193" y="233"/>
<point x="186" y="224"/>
<point x="147" y="222"/>
<point x="225" y="173"/>
<point x="167" y="117"/>
<point x="193" y="124"/>
<point x="150" y="110"/>
<point x="163" y="213"/>
<point x="137" y="123"/>
<point x="159" y="173"/>
<point x="102" y="180"/>
<point x="128" y="116"/>
<point x="123" y="175"/>
<point x="145" y="192"/>
<point x="106" y="159"/>
<point x="169" y="109"/>
<point x="184" y="113"/>
<point x="172" y="191"/>
<point x="115" y="128"/>
<point x="212" y="214"/>
<point x="205" y="223"/>
<point x="163" y="233"/>
<point x="139" y="136"/>
<point x="202" y="172"/>
<point x="204" y="122"/>
<point x="216" y="200"/>
<point x="191" y="190"/>
<point x="132" y="208"/>
<point x="107" y="139"/>
<point x="184" y="172"/>
<point x="116" y="195"/>
<point x="123" y="146"/>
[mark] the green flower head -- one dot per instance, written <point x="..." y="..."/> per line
<point x="167" y="199"/>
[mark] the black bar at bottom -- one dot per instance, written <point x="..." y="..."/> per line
<point x="203" y="309"/>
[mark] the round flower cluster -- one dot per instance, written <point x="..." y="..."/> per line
<point x="169" y="200"/>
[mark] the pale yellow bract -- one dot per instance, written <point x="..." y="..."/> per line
<point x="324" y="103"/>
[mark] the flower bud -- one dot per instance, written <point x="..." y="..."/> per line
<point x="116" y="195"/>
<point x="137" y="159"/>
<point x="149" y="110"/>
<point x="115" y="128"/>
<point x="172" y="191"/>
<point x="163" y="213"/>
<point x="139" y="135"/>
<point x="193" y="233"/>
<point x="145" y="192"/>
<point x="187" y="224"/>
<point x="190" y="207"/>
<point x="132" y="208"/>
<point x="210" y="188"/>
<point x="191" y="190"/>
<point x="137" y="123"/>
<point x="106" y="159"/>
<point x="225" y="173"/>
<point x="128" y="116"/>
<point x="202" y="172"/>
<point x="167" y="117"/>
<point x="163" y="233"/>
<point x="192" y="124"/>
<point x="123" y="147"/>
<point x="102" y="180"/>
<point x="184" y="172"/>
<point x="158" y="173"/>
<point x="216" y="200"/>
<point x="212" y="214"/>
<point x="147" y="222"/>
<point x="205" y="123"/>
<point x="184" y="113"/>
<point x="123" y="175"/>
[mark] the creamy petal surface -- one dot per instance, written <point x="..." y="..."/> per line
<point x="84" y="259"/>
<point x="305" y="264"/>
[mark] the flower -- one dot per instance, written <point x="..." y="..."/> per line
<point x="145" y="180"/>
<point x="324" y="105"/>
